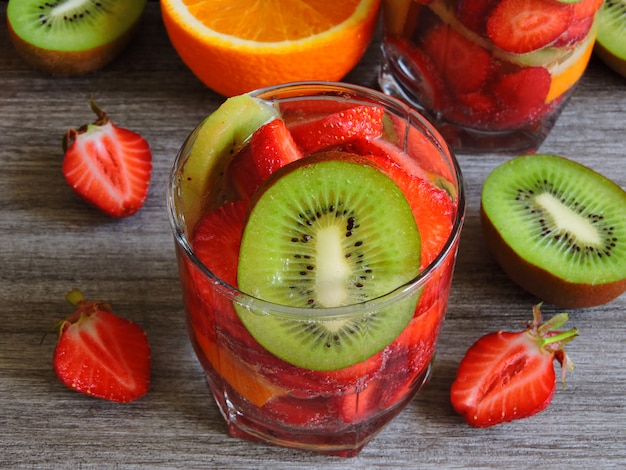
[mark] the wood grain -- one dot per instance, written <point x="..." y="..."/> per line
<point x="52" y="242"/>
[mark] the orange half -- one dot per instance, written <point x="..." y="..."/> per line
<point x="235" y="46"/>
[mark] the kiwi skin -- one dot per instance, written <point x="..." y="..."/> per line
<point x="71" y="63"/>
<point x="616" y="63"/>
<point x="540" y="282"/>
<point x="610" y="40"/>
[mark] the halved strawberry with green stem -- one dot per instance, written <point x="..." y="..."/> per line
<point x="107" y="165"/>
<point x="100" y="354"/>
<point x="510" y="375"/>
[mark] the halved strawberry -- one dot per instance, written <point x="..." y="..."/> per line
<point x="360" y="121"/>
<point x="510" y="375"/>
<point x="463" y="63"/>
<point x="100" y="354"/>
<point x="521" y="26"/>
<point x="107" y="165"/>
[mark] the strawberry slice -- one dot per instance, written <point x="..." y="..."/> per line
<point x="521" y="26"/>
<point x="216" y="241"/>
<point x="463" y="63"/>
<point x="338" y="128"/>
<point x="510" y="375"/>
<point x="271" y="147"/>
<point x="522" y="95"/>
<point x="107" y="165"/>
<point x="100" y="354"/>
<point x="474" y="13"/>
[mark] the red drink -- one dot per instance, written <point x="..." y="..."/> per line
<point x="492" y="74"/>
<point x="334" y="410"/>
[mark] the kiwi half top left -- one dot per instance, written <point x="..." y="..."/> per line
<point x="72" y="37"/>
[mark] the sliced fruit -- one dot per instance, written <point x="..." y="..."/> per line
<point x="242" y="377"/>
<point x="521" y="26"/>
<point x="271" y="147"/>
<point x="338" y="128"/>
<point x="510" y="375"/>
<point x="100" y="354"/>
<point x="72" y="37"/>
<point x="474" y="14"/>
<point x="217" y="237"/>
<point x="557" y="228"/>
<point x="567" y="72"/>
<point x="236" y="47"/>
<point x="324" y="232"/>
<point x="107" y="165"/>
<point x="610" y="44"/>
<point x="521" y="96"/>
<point x="216" y="242"/>
<point x="463" y="63"/>
<point x="211" y="148"/>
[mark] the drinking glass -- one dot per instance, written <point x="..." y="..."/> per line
<point x="263" y="397"/>
<point x="491" y="75"/>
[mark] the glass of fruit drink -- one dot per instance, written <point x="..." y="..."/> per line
<point x="490" y="74"/>
<point x="316" y="228"/>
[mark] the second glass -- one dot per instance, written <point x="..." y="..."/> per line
<point x="491" y="75"/>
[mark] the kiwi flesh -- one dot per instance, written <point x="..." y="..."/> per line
<point x="610" y="43"/>
<point x="72" y="37"/>
<point x="328" y="231"/>
<point x="557" y="228"/>
<point x="212" y="145"/>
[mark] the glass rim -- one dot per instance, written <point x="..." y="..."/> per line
<point x="251" y="302"/>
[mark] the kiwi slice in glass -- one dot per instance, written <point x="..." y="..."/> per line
<point x="329" y="231"/>
<point x="610" y="45"/>
<point x="72" y="37"/>
<point x="557" y="228"/>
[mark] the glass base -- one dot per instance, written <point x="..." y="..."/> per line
<point x="466" y="140"/>
<point x="347" y="441"/>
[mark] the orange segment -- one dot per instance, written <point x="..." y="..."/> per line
<point x="567" y="73"/>
<point x="239" y="375"/>
<point x="235" y="46"/>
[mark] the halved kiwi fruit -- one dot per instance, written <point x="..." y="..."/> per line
<point x="611" y="40"/>
<point x="72" y="37"/>
<point x="328" y="231"/>
<point x="557" y="228"/>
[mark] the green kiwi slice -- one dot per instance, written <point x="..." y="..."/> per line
<point x="212" y="146"/>
<point x="71" y="37"/>
<point x="557" y="228"/>
<point x="328" y="231"/>
<point x="610" y="45"/>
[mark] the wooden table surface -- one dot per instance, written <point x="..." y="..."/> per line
<point x="52" y="242"/>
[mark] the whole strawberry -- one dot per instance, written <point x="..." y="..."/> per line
<point x="510" y="375"/>
<point x="107" y="165"/>
<point x="100" y="354"/>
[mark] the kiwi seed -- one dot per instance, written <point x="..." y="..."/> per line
<point x="324" y="232"/>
